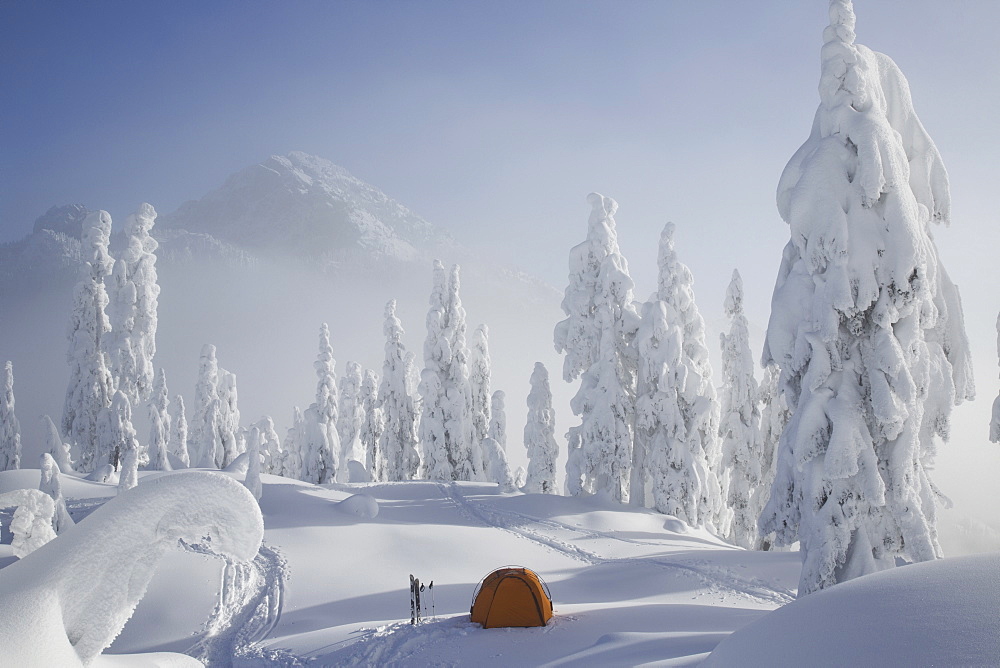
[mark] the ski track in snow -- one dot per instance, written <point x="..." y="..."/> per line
<point x="718" y="580"/>
<point x="403" y="644"/>
<point x="249" y="607"/>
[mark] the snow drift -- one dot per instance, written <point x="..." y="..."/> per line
<point x="67" y="601"/>
<point x="938" y="613"/>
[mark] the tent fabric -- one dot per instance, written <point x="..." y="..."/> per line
<point x="511" y="596"/>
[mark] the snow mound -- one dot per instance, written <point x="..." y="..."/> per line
<point x="238" y="465"/>
<point x="675" y="525"/>
<point x="66" y="601"/>
<point x="938" y="613"/>
<point x="356" y="472"/>
<point x="359" y="505"/>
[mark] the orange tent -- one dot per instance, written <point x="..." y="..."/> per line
<point x="511" y="596"/>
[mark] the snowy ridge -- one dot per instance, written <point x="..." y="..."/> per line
<point x="307" y="206"/>
<point x="43" y="258"/>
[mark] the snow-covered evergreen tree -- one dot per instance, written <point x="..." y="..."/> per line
<point x="598" y="339"/>
<point x="203" y="431"/>
<point x="116" y="437"/>
<point x="995" y="422"/>
<point x="232" y="446"/>
<point x="10" y="428"/>
<point x="678" y="453"/>
<point x="291" y="463"/>
<point x="739" y="426"/>
<point x="350" y="419"/>
<point x="520" y="477"/>
<point x="159" y="423"/>
<point x="90" y="383"/>
<point x="396" y="456"/>
<point x="466" y="459"/>
<point x="317" y="455"/>
<point x="131" y="344"/>
<point x="49" y="483"/>
<point x="866" y="326"/>
<point x="495" y="465"/>
<point x="320" y="443"/>
<point x="575" y="462"/>
<point x="270" y="449"/>
<point x="539" y="435"/>
<point x="498" y="419"/>
<point x="445" y="425"/>
<point x="372" y="427"/>
<point x="480" y="379"/>
<point x="252" y="480"/>
<point x="55" y="445"/>
<point x="128" y="477"/>
<point x="179" y="431"/>
<point x="668" y="469"/>
<point x="31" y="524"/>
<point x="774" y="415"/>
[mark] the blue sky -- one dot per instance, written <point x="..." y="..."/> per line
<point x="493" y="120"/>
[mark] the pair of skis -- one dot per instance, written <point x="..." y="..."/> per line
<point x="416" y="609"/>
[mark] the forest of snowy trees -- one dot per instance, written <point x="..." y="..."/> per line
<point x="830" y="446"/>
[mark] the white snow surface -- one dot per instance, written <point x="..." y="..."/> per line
<point x="330" y="583"/>
<point x="934" y="613"/>
<point x="64" y="603"/>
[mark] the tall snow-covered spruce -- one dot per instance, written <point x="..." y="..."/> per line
<point x="539" y="435"/>
<point x="179" y="431"/>
<point x="395" y="457"/>
<point x="496" y="468"/>
<point x="350" y="419"/>
<point x="446" y="431"/>
<point x="373" y="425"/>
<point x="480" y="379"/>
<point x="116" y="441"/>
<point x="597" y="338"/>
<point x="437" y="352"/>
<point x="677" y="455"/>
<point x="739" y="426"/>
<point x="319" y="441"/>
<point x="463" y="451"/>
<point x="203" y="433"/>
<point x="159" y="424"/>
<point x="774" y="415"/>
<point x="90" y="383"/>
<point x="131" y="344"/>
<point x="866" y="326"/>
<point x="252" y="479"/>
<point x="10" y="429"/>
<point x="229" y="420"/>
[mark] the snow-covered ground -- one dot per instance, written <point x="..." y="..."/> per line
<point x="629" y="586"/>
<point x="329" y="586"/>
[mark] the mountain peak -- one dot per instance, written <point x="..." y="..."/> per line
<point x="67" y="219"/>
<point x="307" y="206"/>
